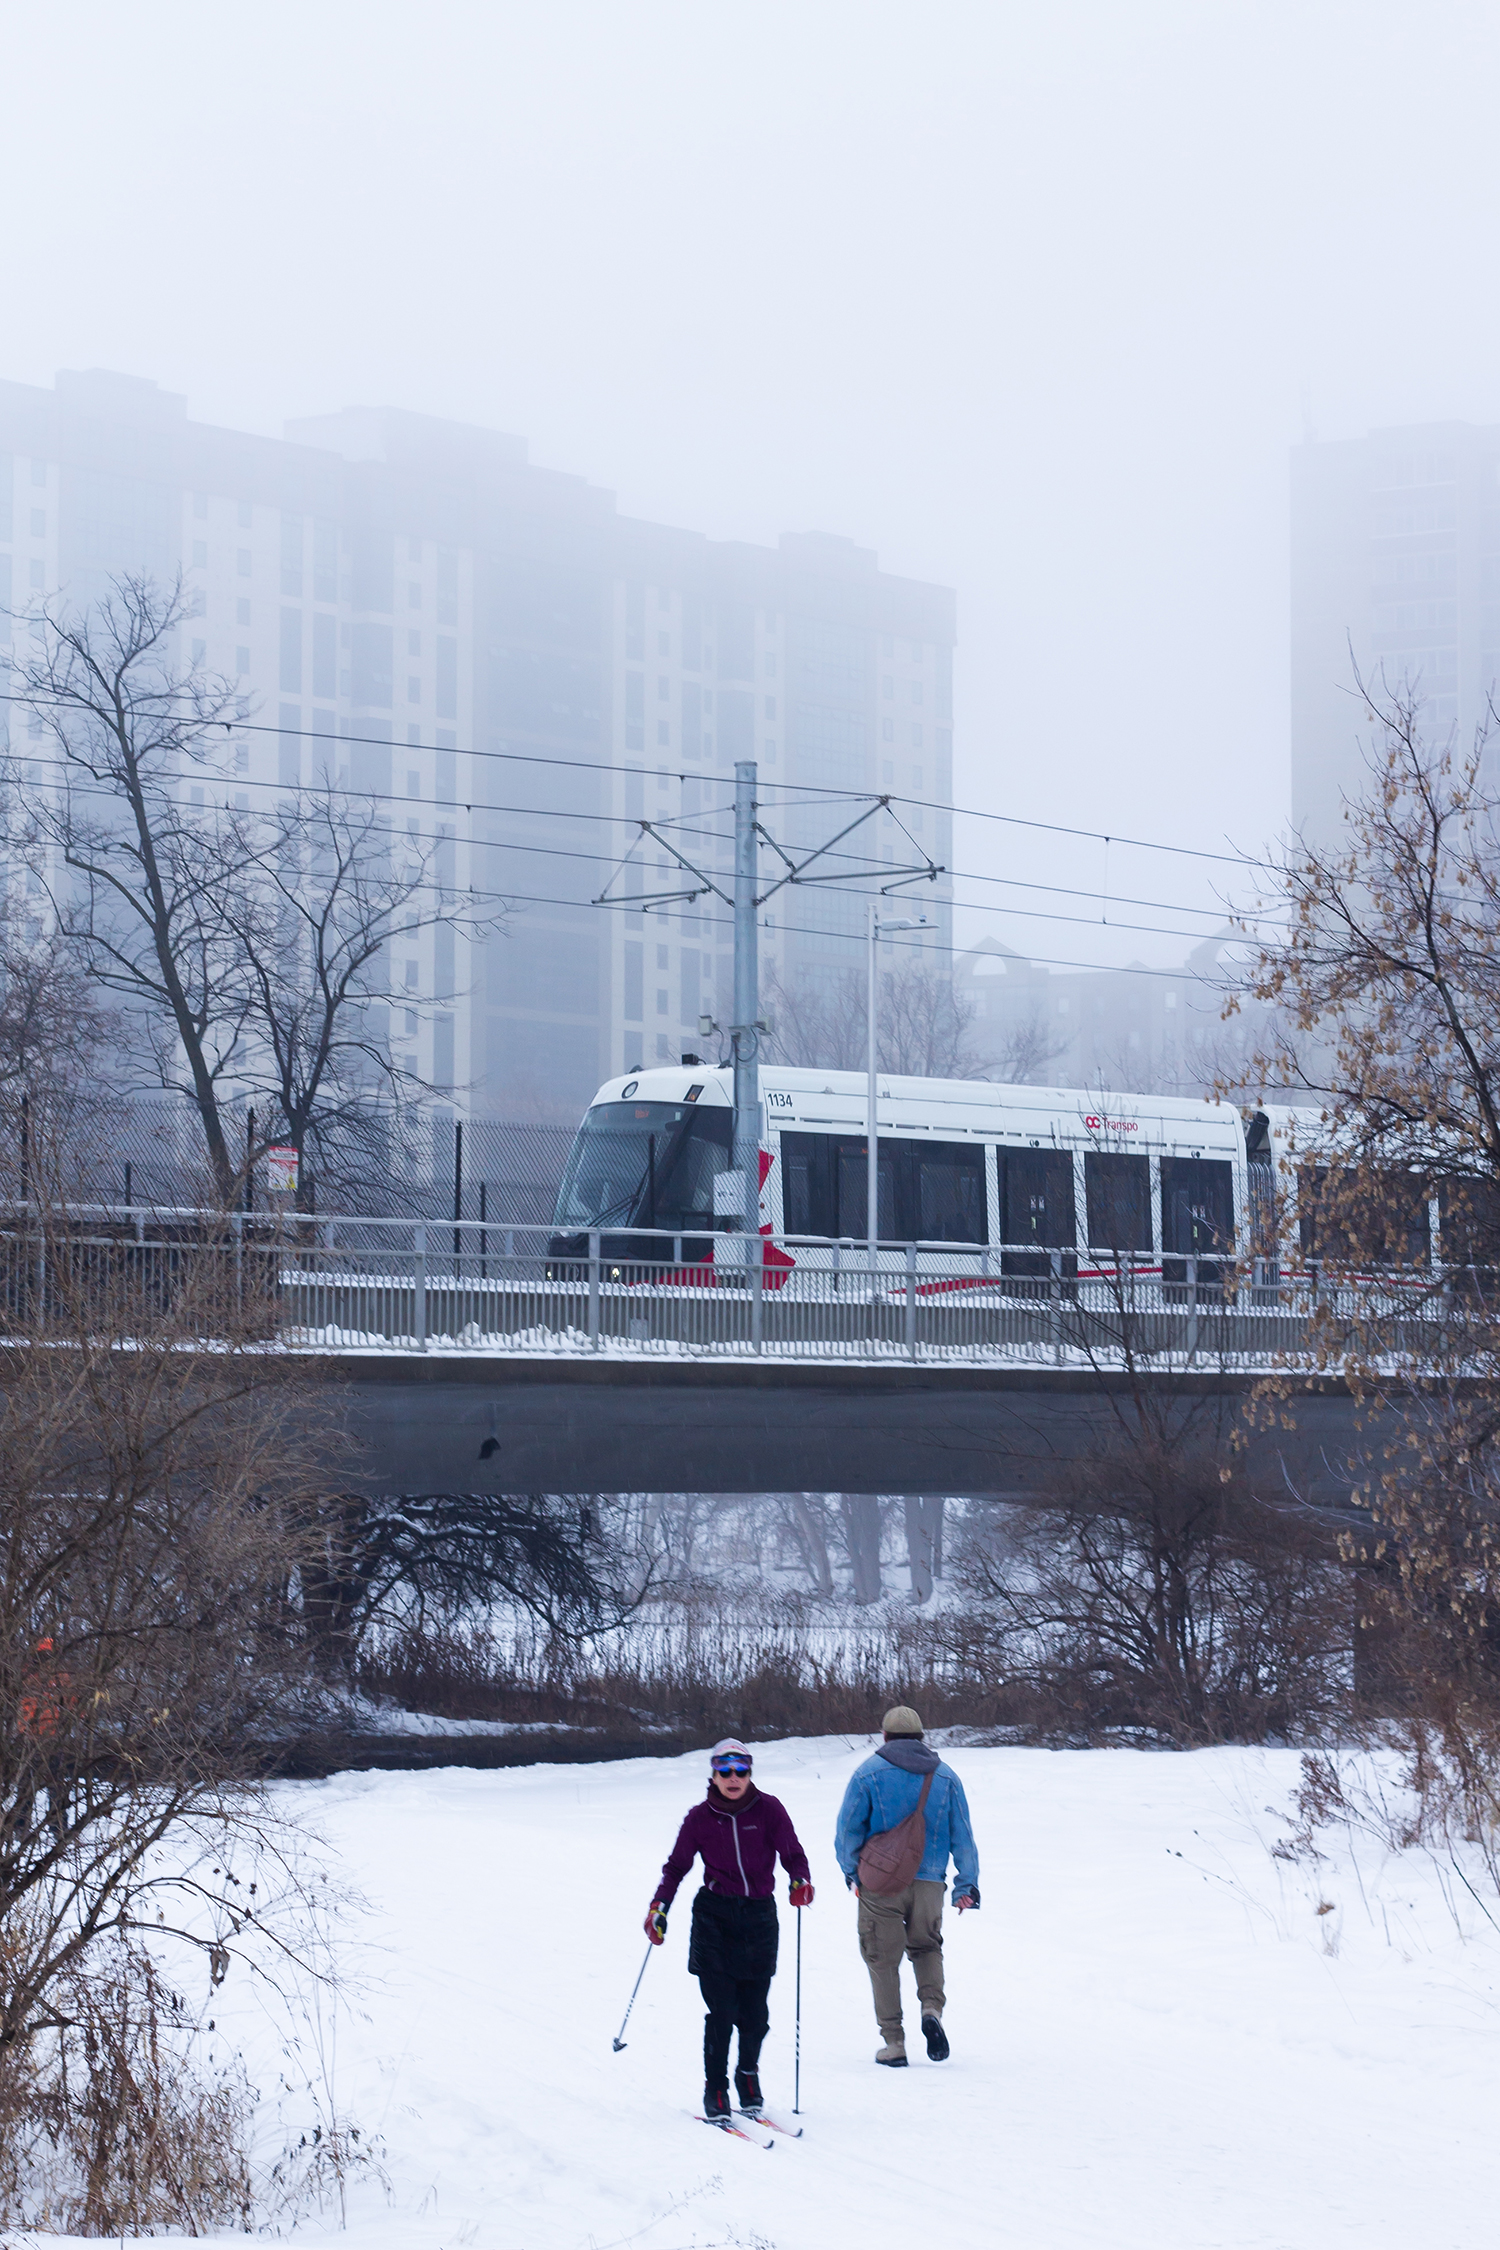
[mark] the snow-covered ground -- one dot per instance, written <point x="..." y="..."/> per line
<point x="1159" y="2043"/>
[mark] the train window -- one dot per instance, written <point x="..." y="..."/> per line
<point x="948" y="1180"/>
<point x="1117" y="1190"/>
<point x="823" y="1186"/>
<point x="1363" y="1219"/>
<point x="1197" y="1206"/>
<point x="1469" y="1219"/>
<point x="1036" y="1207"/>
<point x="853" y="1189"/>
<point x="929" y="1191"/>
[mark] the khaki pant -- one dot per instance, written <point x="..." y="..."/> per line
<point x="909" y="1922"/>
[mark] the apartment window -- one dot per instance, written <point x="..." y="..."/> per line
<point x="663" y="737"/>
<point x="200" y="554"/>
<point x="38" y="523"/>
<point x="447" y="586"/>
<point x="242" y="613"/>
<point x="200" y="652"/>
<point x="408" y="1023"/>
<point x="413" y="644"/>
<point x="661" y="958"/>
<point x="916" y="777"/>
<point x="661" y="999"/>
<point x="242" y="757"/>
<point x="411" y="976"/>
<point x="36" y="574"/>
<point x="888" y="776"/>
<point x="916" y="738"/>
<point x="413" y="785"/>
<point x="770" y="706"/>
<point x="663" y="690"/>
<point x="663" y="644"/>
<point x="634" y="983"/>
<point x="325" y="561"/>
<point x="413" y="687"/>
<point x="242" y="662"/>
<point x="414" y="595"/>
<point x="916" y="691"/>
<point x="242" y="561"/>
<point x="887" y="732"/>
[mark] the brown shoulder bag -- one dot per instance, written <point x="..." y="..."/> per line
<point x="890" y="1860"/>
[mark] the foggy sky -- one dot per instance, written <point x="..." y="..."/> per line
<point x="1033" y="300"/>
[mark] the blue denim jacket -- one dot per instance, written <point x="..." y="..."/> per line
<point x="880" y="1795"/>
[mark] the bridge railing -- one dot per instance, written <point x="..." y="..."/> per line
<point x="404" y="1284"/>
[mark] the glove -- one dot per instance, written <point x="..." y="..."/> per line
<point x="656" y="1922"/>
<point x="968" y="1896"/>
<point x="802" y="1893"/>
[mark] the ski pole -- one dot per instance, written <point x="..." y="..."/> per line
<point x="797" y="2065"/>
<point x="619" y="2043"/>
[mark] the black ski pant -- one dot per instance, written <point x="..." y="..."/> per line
<point x="732" y="2003"/>
<point x="732" y="1953"/>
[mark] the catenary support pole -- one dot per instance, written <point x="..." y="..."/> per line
<point x="620" y="2041"/>
<point x="797" y="2062"/>
<point x="745" y="1030"/>
<point x="872" y="1144"/>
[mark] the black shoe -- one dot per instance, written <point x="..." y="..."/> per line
<point x="936" y="2038"/>
<point x="747" y="2086"/>
<point x="716" y="2105"/>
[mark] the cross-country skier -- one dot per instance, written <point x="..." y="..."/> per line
<point x="882" y="1793"/>
<point x="732" y="1950"/>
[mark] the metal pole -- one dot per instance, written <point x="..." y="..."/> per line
<point x="250" y="1160"/>
<point x="419" y="1285"/>
<point x="458" y="1186"/>
<point x="620" y="2041"/>
<point x="744" y="1032"/>
<point x="872" y="1144"/>
<point x="797" y="2066"/>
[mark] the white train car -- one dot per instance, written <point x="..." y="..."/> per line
<point x="1049" y="1178"/>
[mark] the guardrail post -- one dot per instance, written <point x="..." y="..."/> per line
<point x="756" y="1248"/>
<point x="419" y="1285"/>
<point x="1054" y="1287"/>
<point x="1192" y="1334"/>
<point x="911" y="1300"/>
<point x="593" y="1289"/>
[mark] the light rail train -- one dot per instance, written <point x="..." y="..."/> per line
<point x="1054" y="1179"/>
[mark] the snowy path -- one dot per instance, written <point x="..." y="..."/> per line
<point x="1150" y="2051"/>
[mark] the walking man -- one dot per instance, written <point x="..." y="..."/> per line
<point x="882" y="1793"/>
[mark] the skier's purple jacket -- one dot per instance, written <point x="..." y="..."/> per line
<point x="739" y="1843"/>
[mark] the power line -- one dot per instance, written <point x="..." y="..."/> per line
<point x="818" y="790"/>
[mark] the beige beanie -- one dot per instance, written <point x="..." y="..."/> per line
<point x="902" y="1720"/>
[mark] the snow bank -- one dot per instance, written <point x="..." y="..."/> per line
<point x="1159" y="2043"/>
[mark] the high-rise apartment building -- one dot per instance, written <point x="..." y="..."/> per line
<point x="519" y="672"/>
<point x="1395" y="560"/>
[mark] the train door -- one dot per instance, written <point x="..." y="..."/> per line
<point x="1037" y="1213"/>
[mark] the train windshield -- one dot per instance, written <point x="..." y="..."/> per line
<point x="645" y="1164"/>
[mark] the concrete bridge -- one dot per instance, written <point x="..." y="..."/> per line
<point x="511" y="1422"/>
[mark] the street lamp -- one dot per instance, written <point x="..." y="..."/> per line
<point x="872" y="1144"/>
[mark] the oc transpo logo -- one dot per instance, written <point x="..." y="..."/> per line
<point x="1112" y="1124"/>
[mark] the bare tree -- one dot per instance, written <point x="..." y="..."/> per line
<point x="251" y="951"/>
<point x="333" y="890"/>
<point x="1025" y="1054"/>
<point x="136" y="875"/>
<point x="925" y="1028"/>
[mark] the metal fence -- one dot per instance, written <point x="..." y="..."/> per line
<point x="416" y="1285"/>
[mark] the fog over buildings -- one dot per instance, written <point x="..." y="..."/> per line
<point x="1016" y="410"/>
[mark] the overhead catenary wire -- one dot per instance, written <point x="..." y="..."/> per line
<point x="823" y="791"/>
<point x="684" y="825"/>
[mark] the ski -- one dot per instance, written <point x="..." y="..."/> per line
<point x="792" y="2132"/>
<point x="725" y="2125"/>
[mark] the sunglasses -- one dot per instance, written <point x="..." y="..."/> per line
<point x="730" y="1765"/>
